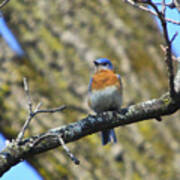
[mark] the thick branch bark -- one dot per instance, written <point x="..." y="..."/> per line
<point x="155" y="108"/>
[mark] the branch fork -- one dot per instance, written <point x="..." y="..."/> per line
<point x="33" y="113"/>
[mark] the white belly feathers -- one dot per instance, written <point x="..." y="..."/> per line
<point x="110" y="98"/>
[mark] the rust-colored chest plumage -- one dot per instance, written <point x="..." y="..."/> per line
<point x="103" y="79"/>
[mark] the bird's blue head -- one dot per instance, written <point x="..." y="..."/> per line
<point x="103" y="63"/>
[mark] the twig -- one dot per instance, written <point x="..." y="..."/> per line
<point x="68" y="152"/>
<point x="163" y="11"/>
<point x="174" y="37"/>
<point x="41" y="138"/>
<point x="170" y="5"/>
<point x="144" y="8"/>
<point x="168" y="55"/>
<point x="174" y="58"/>
<point x="163" y="20"/>
<point x="58" y="109"/>
<point x="38" y="106"/>
<point x="26" y="89"/>
<point x="61" y="141"/>
<point x="4" y="3"/>
<point x="35" y="112"/>
<point x="31" y="114"/>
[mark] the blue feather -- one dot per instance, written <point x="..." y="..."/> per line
<point x="104" y="60"/>
<point x="107" y="136"/>
<point x="90" y="85"/>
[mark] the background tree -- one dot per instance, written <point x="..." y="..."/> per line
<point x="61" y="39"/>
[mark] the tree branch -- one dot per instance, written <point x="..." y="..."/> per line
<point x="162" y="17"/>
<point x="33" y="113"/>
<point x="170" y="4"/>
<point x="16" y="152"/>
<point x="168" y="55"/>
<point x="4" y="3"/>
<point x="144" y="8"/>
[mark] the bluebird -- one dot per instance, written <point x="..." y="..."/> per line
<point x="105" y="93"/>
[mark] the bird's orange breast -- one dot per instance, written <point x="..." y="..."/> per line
<point x="103" y="79"/>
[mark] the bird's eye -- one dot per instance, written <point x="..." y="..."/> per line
<point x="95" y="63"/>
<point x="104" y="64"/>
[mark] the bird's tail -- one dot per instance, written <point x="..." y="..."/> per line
<point x="108" y="136"/>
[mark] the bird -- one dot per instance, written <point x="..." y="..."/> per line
<point x="105" y="93"/>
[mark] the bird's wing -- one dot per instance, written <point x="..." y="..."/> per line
<point x="90" y="85"/>
<point x="120" y="82"/>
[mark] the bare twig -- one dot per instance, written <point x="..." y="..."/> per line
<point x="170" y="4"/>
<point x="163" y="7"/>
<point x="174" y="58"/>
<point x="144" y="8"/>
<point x="4" y="3"/>
<point x="26" y="89"/>
<point x="41" y="138"/>
<point x="31" y="114"/>
<point x="38" y="106"/>
<point x="58" y="109"/>
<point x="35" y="112"/>
<point x="68" y="152"/>
<point x="168" y="56"/>
<point x="163" y="20"/>
<point x="61" y="141"/>
<point x="174" y="37"/>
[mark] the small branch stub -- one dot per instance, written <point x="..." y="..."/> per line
<point x="68" y="152"/>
